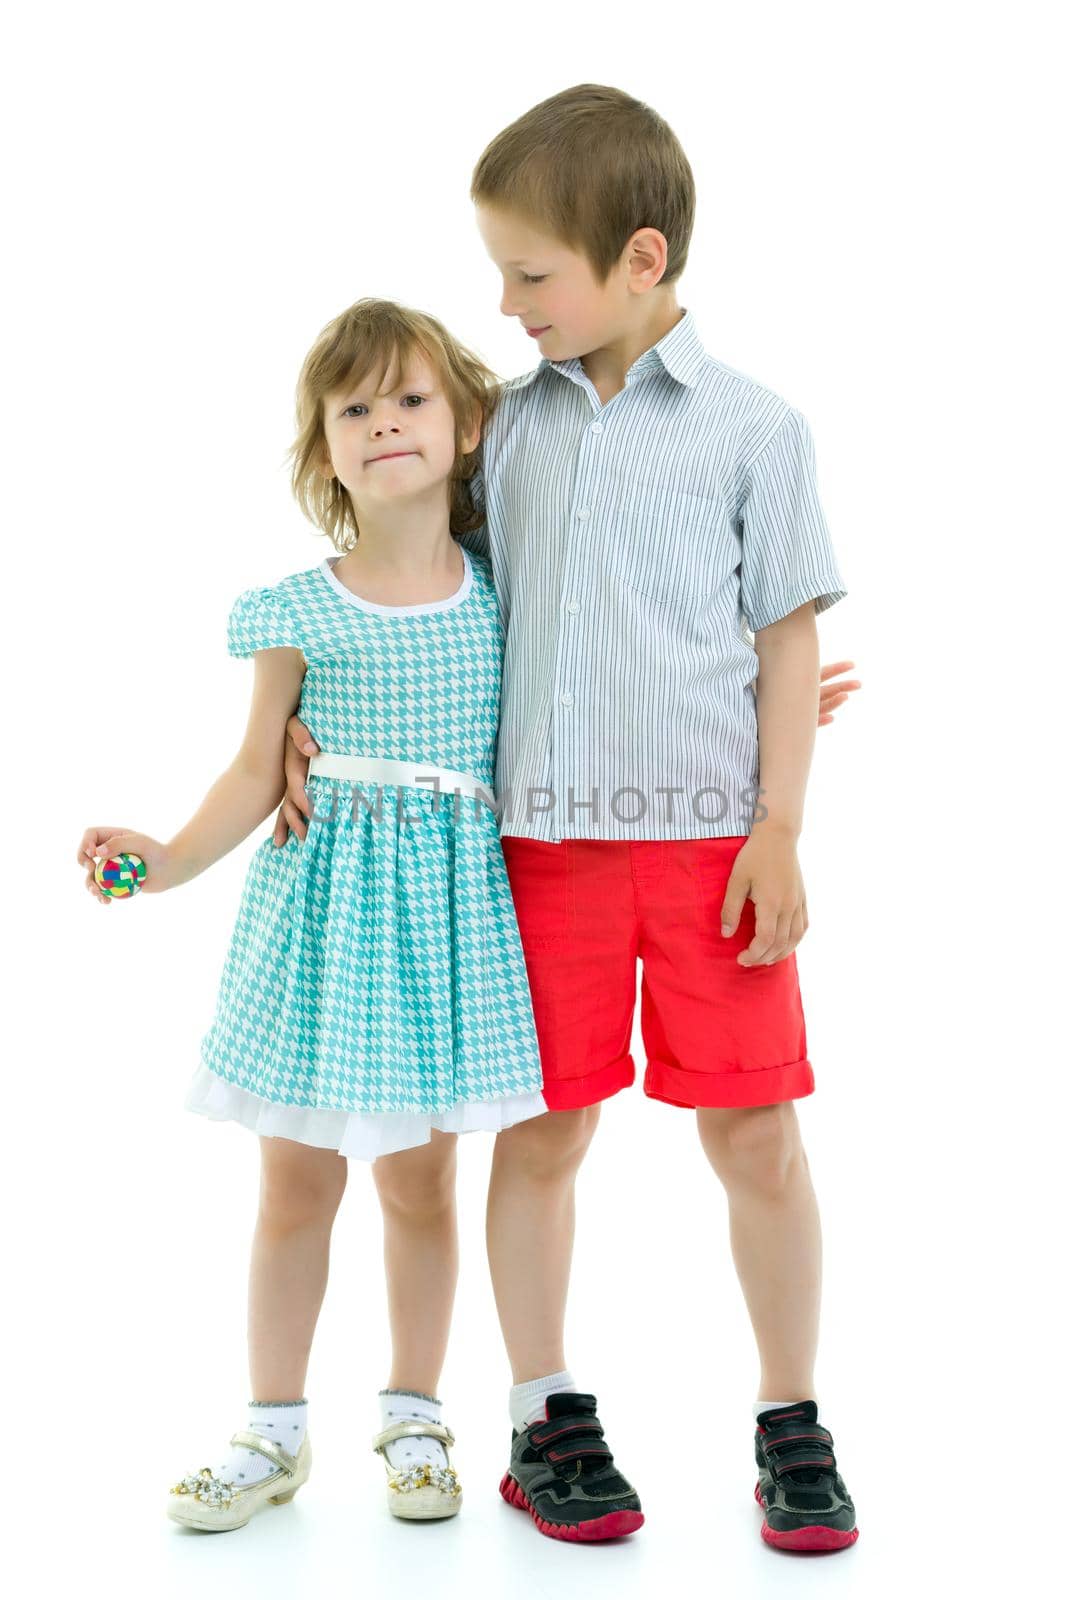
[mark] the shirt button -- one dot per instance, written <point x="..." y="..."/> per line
<point x="597" y="427"/>
<point x="583" y="515"/>
<point x="566" y="699"/>
<point x="573" y="607"/>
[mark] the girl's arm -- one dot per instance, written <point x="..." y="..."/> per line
<point x="242" y="798"/>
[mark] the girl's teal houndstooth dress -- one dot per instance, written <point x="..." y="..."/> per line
<point x="375" y="985"/>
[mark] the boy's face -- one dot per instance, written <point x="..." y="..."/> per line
<point x="391" y="436"/>
<point x="551" y="288"/>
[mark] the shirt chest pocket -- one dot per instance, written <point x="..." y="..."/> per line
<point x="675" y="546"/>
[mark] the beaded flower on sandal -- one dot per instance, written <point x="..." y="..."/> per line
<point x="421" y="1492"/>
<point x="204" y="1501"/>
<point x="205" y="1487"/>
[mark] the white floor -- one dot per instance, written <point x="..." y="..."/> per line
<point x="336" y="1537"/>
<point x="138" y="1375"/>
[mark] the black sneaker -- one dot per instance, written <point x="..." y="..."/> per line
<point x="564" y="1475"/>
<point x="805" y="1503"/>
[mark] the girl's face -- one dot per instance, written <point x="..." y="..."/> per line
<point x="392" y="436"/>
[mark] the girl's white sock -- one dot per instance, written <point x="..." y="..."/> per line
<point x="527" y="1400"/>
<point x="407" y="1405"/>
<point x="284" y="1422"/>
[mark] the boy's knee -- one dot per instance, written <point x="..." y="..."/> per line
<point x="757" y="1146"/>
<point x="549" y="1146"/>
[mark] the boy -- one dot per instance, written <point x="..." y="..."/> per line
<point x="647" y="507"/>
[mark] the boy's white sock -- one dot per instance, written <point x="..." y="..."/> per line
<point x="284" y="1422"/>
<point x="408" y="1405"/>
<point x="527" y="1400"/>
<point x="770" y="1405"/>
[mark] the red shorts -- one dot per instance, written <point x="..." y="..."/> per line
<point x="715" y="1033"/>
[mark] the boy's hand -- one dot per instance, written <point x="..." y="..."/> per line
<point x="296" y="807"/>
<point x="766" y="871"/>
<point x="106" y="842"/>
<point x="833" y="695"/>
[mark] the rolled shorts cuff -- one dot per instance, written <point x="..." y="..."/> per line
<point x="571" y="1094"/>
<point x="767" y="1086"/>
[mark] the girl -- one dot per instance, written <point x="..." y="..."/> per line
<point x="374" y="1001"/>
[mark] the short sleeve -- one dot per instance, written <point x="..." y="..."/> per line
<point x="260" y="620"/>
<point x="786" y="554"/>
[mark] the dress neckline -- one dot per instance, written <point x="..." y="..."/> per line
<point x="421" y="609"/>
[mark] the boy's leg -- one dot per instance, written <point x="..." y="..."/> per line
<point x="529" y="1231"/>
<point x="730" y="1042"/>
<point x="758" y="1155"/>
<point x="574" y="907"/>
<point x="581" y="964"/>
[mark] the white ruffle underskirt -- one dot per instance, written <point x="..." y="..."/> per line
<point x="362" y="1135"/>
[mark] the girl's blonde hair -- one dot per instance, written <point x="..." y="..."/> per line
<point x="380" y="335"/>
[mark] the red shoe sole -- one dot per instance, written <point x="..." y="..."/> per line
<point x="814" y="1538"/>
<point x="611" y="1526"/>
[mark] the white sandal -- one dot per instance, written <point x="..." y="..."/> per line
<point x="425" y="1491"/>
<point x="203" y="1501"/>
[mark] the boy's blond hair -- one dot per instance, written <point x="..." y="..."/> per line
<point x="380" y="336"/>
<point x="592" y="165"/>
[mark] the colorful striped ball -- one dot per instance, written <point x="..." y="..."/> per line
<point x="120" y="876"/>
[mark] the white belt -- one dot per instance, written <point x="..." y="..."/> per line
<point x="378" y="769"/>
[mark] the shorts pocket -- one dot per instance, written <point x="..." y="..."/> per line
<point x="541" y="876"/>
<point x="712" y="868"/>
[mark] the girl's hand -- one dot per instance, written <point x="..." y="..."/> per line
<point x="105" y="842"/>
<point x="766" y="871"/>
<point x="833" y="695"/>
<point x="296" y="807"/>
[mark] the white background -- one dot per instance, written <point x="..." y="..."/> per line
<point x="191" y="192"/>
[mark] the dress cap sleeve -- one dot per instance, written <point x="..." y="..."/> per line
<point x="260" y="620"/>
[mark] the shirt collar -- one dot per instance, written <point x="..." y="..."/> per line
<point x="680" y="352"/>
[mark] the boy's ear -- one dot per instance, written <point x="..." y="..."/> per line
<point x="646" y="258"/>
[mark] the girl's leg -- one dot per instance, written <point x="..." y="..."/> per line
<point x="529" y="1230"/>
<point x="300" y="1191"/>
<point x="417" y="1192"/>
<point x="775" y="1237"/>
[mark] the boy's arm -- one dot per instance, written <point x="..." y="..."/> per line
<point x="787" y="710"/>
<point x="766" y="869"/>
<point x="240" y="799"/>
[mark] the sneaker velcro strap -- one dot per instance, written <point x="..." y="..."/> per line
<point x="786" y="1437"/>
<point x="576" y="1449"/>
<point x="792" y="1460"/>
<point x="558" y="1427"/>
